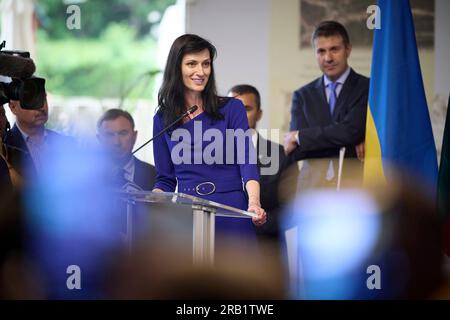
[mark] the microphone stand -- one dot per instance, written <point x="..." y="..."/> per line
<point x="190" y="111"/>
<point x="341" y="164"/>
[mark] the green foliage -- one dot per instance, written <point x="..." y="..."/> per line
<point x="102" y="67"/>
<point x="106" y="56"/>
<point x="96" y="15"/>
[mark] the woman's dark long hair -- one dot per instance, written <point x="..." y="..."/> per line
<point x="171" y="94"/>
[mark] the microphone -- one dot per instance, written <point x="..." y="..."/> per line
<point x="190" y="111"/>
<point x="16" y="66"/>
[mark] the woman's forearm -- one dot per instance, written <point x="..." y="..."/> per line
<point x="253" y="189"/>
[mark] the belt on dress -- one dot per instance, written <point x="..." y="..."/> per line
<point x="208" y="187"/>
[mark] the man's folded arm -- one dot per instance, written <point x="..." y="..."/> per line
<point x="349" y="131"/>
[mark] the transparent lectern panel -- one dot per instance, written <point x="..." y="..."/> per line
<point x="184" y="199"/>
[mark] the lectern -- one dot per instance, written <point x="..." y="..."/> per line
<point x="202" y="212"/>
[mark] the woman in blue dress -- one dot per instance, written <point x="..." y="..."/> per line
<point x="204" y="154"/>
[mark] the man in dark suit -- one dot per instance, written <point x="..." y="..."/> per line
<point x="277" y="178"/>
<point x="28" y="142"/>
<point x="115" y="132"/>
<point x="329" y="113"/>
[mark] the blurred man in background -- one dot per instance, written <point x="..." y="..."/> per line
<point x="116" y="133"/>
<point x="275" y="189"/>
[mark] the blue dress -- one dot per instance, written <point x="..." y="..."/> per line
<point x="217" y="162"/>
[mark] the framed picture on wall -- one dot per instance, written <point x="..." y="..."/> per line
<point x="353" y="15"/>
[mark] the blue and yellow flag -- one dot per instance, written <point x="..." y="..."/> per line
<point x="398" y="128"/>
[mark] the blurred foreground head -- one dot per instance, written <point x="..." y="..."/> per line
<point x="20" y="277"/>
<point x="382" y="243"/>
<point x="164" y="271"/>
<point x="64" y="217"/>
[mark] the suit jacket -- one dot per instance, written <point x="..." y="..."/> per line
<point x="144" y="174"/>
<point x="277" y="187"/>
<point x="18" y="154"/>
<point x="321" y="133"/>
<point x="5" y="181"/>
<point x="144" y="177"/>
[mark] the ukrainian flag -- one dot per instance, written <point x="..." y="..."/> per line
<point x="398" y="129"/>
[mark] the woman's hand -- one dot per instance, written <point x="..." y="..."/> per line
<point x="254" y="205"/>
<point x="261" y="217"/>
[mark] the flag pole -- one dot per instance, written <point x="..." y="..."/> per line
<point x="341" y="164"/>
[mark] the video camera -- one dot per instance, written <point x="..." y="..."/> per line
<point x="26" y="88"/>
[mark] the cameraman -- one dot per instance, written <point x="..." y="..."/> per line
<point x="28" y="139"/>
